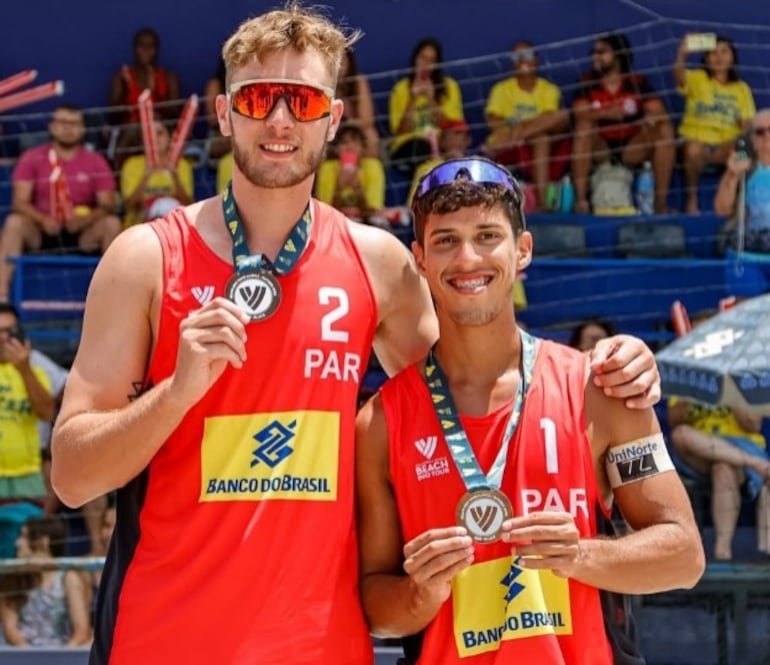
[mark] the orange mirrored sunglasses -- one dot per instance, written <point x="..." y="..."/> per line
<point x="256" y="98"/>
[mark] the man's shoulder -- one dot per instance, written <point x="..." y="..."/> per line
<point x="87" y="156"/>
<point x="35" y="155"/>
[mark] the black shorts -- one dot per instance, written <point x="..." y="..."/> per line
<point x="64" y="241"/>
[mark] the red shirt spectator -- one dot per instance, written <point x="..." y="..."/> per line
<point x="631" y="96"/>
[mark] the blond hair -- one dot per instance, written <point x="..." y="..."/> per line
<point x="296" y="27"/>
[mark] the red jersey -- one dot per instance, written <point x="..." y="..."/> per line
<point x="160" y="92"/>
<point x="237" y="544"/>
<point x="500" y="613"/>
<point x="631" y="96"/>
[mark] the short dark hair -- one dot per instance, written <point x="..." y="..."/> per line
<point x="53" y="527"/>
<point x="146" y="32"/>
<point x="577" y="331"/>
<point x="354" y="131"/>
<point x="8" y="308"/>
<point x="69" y="107"/>
<point x="462" y="193"/>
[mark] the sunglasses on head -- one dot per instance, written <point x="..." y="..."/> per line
<point x="527" y="54"/>
<point x="473" y="169"/>
<point x="761" y="131"/>
<point x="256" y="98"/>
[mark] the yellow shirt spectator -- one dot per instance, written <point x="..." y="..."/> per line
<point x="19" y="436"/>
<point x="451" y="107"/>
<point x="509" y="102"/>
<point x="224" y="171"/>
<point x="719" y="421"/>
<point x="714" y="112"/>
<point x="159" y="184"/>
<point x="371" y="174"/>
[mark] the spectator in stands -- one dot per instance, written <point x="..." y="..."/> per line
<point x="719" y="106"/>
<point x="52" y="610"/>
<point x="418" y="104"/>
<point x="585" y="335"/>
<point x="218" y="145"/>
<point x="148" y="192"/>
<point x="454" y="142"/>
<point x="26" y="398"/>
<point x="353" y="89"/>
<point x="724" y="448"/>
<point x="352" y="182"/>
<point x="527" y="123"/>
<point x="32" y="225"/>
<point x="130" y="81"/>
<point x="755" y="165"/>
<point x="618" y="116"/>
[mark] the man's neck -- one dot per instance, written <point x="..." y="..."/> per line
<point x="268" y="215"/>
<point x="65" y="152"/>
<point x="527" y="82"/>
<point x="613" y="79"/>
<point x="478" y="355"/>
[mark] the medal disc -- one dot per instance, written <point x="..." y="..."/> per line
<point x="482" y="513"/>
<point x="256" y="292"/>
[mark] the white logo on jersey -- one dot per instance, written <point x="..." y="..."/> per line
<point x="427" y="446"/>
<point x="203" y="294"/>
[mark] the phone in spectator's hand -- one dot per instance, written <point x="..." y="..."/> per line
<point x="741" y="148"/>
<point x="701" y="41"/>
<point x="18" y="333"/>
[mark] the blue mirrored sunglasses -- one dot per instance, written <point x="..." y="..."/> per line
<point x="524" y="54"/>
<point x="475" y="169"/>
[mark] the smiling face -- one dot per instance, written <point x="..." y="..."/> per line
<point x="470" y="258"/>
<point x="279" y="151"/>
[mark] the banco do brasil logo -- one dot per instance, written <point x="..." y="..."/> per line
<point x="274" y="443"/>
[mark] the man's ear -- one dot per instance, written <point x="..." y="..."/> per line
<point x="338" y="107"/>
<point x="419" y="256"/>
<point x="523" y="251"/>
<point x="223" y="115"/>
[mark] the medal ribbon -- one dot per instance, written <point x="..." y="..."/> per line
<point x="243" y="260"/>
<point x="457" y="441"/>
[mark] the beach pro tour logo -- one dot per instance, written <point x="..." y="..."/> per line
<point x="274" y="443"/>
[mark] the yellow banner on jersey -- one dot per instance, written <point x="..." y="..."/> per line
<point x="498" y="600"/>
<point x="287" y="455"/>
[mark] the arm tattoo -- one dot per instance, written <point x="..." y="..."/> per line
<point x="138" y="388"/>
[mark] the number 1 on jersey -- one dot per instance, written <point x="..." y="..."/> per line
<point x="551" y="449"/>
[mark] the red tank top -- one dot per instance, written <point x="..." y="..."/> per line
<point x="159" y="92"/>
<point x="246" y="550"/>
<point x="499" y="612"/>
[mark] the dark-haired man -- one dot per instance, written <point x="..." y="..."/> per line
<point x="480" y="470"/>
<point x="91" y="223"/>
<point x="617" y="114"/>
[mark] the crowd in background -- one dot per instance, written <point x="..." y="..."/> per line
<point x="614" y="123"/>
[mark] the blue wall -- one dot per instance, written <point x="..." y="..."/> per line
<point x="84" y="41"/>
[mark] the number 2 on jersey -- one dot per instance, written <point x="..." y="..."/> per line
<point x="332" y="295"/>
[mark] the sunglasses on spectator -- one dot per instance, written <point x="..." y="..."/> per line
<point x="473" y="169"/>
<point x="524" y="54"/>
<point x="600" y="51"/>
<point x="762" y="131"/>
<point x="256" y="98"/>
